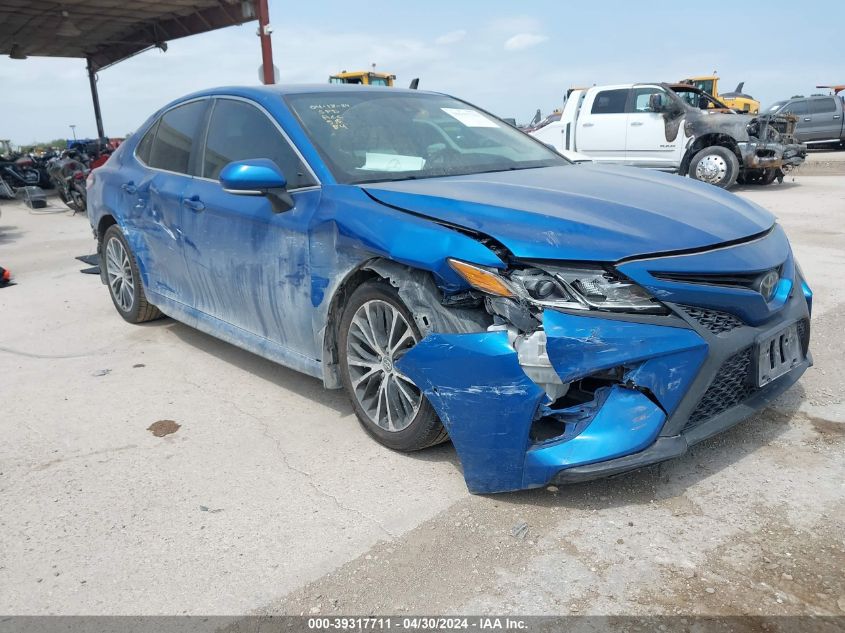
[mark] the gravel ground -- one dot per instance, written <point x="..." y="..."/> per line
<point x="155" y="470"/>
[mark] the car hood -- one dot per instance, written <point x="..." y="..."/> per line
<point x="581" y="212"/>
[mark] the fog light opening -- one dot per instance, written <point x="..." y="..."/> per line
<point x="584" y="390"/>
<point x="546" y="428"/>
<point x="570" y="414"/>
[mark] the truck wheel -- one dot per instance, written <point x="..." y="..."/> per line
<point x="375" y="331"/>
<point x="715" y="165"/>
<point x="769" y="176"/>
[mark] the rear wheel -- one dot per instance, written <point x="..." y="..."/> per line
<point x="376" y="330"/>
<point x="124" y="280"/>
<point x="715" y="165"/>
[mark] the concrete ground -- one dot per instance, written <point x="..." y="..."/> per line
<point x="269" y="498"/>
<point x="823" y="161"/>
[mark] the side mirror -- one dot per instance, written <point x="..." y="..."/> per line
<point x="656" y="102"/>
<point x="257" y="177"/>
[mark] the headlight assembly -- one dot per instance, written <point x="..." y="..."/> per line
<point x="571" y="288"/>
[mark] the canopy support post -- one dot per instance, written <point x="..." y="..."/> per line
<point x="266" y="44"/>
<point x="95" y="97"/>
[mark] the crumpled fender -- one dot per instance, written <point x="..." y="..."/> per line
<point x="484" y="399"/>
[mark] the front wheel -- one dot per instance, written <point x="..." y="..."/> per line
<point x="376" y="330"/>
<point x="77" y="200"/>
<point x="715" y="165"/>
<point x="124" y="280"/>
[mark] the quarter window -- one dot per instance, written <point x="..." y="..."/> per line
<point x="610" y="102"/>
<point x="146" y="143"/>
<point x="177" y="129"/>
<point x="239" y="131"/>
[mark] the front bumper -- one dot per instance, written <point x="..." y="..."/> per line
<point x="769" y="155"/>
<point x="683" y="378"/>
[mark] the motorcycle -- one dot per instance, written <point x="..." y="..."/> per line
<point x="40" y="163"/>
<point x="67" y="175"/>
<point x="19" y="172"/>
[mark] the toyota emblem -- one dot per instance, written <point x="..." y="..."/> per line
<point x="768" y="284"/>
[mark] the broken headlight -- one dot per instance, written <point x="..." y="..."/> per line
<point x="572" y="288"/>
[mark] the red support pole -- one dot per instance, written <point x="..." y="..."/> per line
<point x="266" y="45"/>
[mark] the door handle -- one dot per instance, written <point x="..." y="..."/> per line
<point x="637" y="123"/>
<point x="835" y="116"/>
<point x="129" y="187"/>
<point x="194" y="203"/>
<point x="806" y="118"/>
<point x="587" y="125"/>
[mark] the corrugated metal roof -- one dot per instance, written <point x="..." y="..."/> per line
<point x="107" y="31"/>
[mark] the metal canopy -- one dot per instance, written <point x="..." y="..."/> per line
<point x="106" y="31"/>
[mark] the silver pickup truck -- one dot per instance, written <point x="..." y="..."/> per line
<point x="820" y="118"/>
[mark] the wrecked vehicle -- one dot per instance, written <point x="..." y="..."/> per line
<point x="676" y="128"/>
<point x="458" y="278"/>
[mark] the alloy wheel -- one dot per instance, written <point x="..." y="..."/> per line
<point x="119" y="273"/>
<point x="378" y="336"/>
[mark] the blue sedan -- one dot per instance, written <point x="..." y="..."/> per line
<point x="457" y="278"/>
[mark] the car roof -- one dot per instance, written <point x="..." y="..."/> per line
<point x="262" y="92"/>
<point x="291" y="89"/>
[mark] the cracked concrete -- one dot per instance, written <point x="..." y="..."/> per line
<point x="310" y="515"/>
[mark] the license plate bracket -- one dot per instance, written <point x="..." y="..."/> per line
<point x="777" y="354"/>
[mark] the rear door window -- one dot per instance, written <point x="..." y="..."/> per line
<point x="240" y="131"/>
<point x="823" y="106"/>
<point x="175" y="136"/>
<point x="610" y="102"/>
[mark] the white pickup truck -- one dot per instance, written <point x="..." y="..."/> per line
<point x="676" y="128"/>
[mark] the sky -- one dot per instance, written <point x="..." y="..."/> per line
<point x="507" y="57"/>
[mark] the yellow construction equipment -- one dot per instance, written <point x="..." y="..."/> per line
<point x="736" y="100"/>
<point x="365" y="77"/>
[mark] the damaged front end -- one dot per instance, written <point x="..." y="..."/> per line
<point x="772" y="144"/>
<point x="584" y="373"/>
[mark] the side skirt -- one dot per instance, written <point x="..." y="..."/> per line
<point x="236" y="336"/>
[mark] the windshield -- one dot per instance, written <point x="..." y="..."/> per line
<point x="698" y="99"/>
<point x="377" y="136"/>
<point x="704" y="84"/>
<point x="776" y="106"/>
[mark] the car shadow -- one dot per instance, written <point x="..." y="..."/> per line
<point x="659" y="481"/>
<point x="786" y="184"/>
<point x="9" y="234"/>
<point x="283" y="377"/>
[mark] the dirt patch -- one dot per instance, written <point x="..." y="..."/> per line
<point x="163" y="427"/>
<point x="829" y="430"/>
<point x="776" y="570"/>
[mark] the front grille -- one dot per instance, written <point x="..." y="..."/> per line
<point x="732" y="385"/>
<point x="713" y="320"/>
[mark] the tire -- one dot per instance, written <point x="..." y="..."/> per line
<point x="715" y="165"/>
<point x="769" y="176"/>
<point x="124" y="280"/>
<point x="63" y="195"/>
<point x="77" y="201"/>
<point x="367" y="366"/>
